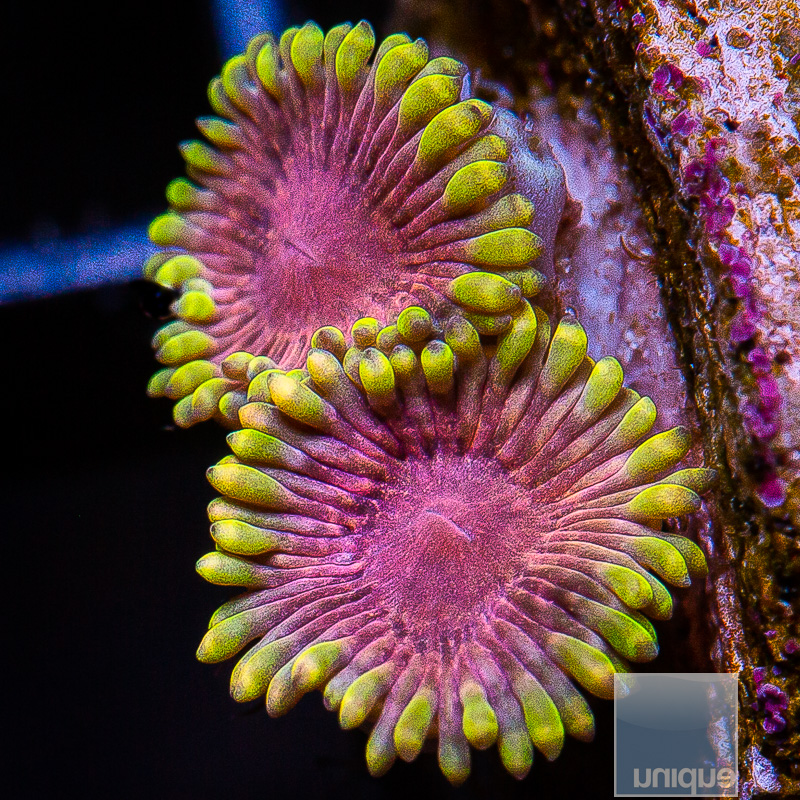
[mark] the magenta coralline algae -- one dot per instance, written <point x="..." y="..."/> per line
<point x="442" y="531"/>
<point x="703" y="178"/>
<point x="733" y="154"/>
<point x="339" y="182"/>
<point x="772" y="701"/>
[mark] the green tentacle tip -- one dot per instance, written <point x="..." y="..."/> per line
<point x="252" y="445"/>
<point x="249" y="485"/>
<point x="530" y="281"/>
<point x="196" y="307"/>
<point x="188" y="377"/>
<point x="485" y="292"/>
<point x="389" y="43"/>
<point x="185" y="196"/>
<point x="659" y="453"/>
<point x="267" y="68"/>
<point x="388" y="339"/>
<point x="380" y="756"/>
<point x="623" y="633"/>
<point x="235" y="365"/>
<point x="661" y="607"/>
<point x="660" y="556"/>
<point x="438" y="365"/>
<point x="285" y="44"/>
<point x="258" y="388"/>
<point x="545" y="728"/>
<point x="604" y="384"/>
<point x="663" y="501"/>
<point x="230" y="404"/>
<point x="333" y="40"/>
<point x="444" y="65"/>
<point x="486" y="148"/>
<point x="376" y="374"/>
<point x="628" y="585"/>
<point x="397" y="68"/>
<point x="516" y="752"/>
<point x="693" y="556"/>
<point x="414" y="324"/>
<point x="509" y="248"/>
<point x="567" y="351"/>
<point x="185" y="347"/>
<point x="454" y="761"/>
<point x="225" y="570"/>
<point x="353" y="54"/>
<point x="306" y="52"/>
<point x="517" y="341"/>
<point x="404" y="362"/>
<point x="168" y="331"/>
<point x="472" y="184"/>
<point x="588" y="665"/>
<point x="220" y="643"/>
<point x="637" y="422"/>
<point x="324" y="368"/>
<point x="169" y="229"/>
<point x="425" y="98"/>
<point x="206" y="398"/>
<point x="412" y="727"/>
<point x="259" y="365"/>
<point x="235" y="78"/>
<point x="243" y="539"/>
<point x="315" y="665"/>
<point x="364" y="332"/>
<point x="153" y="264"/>
<point x="449" y="130"/>
<point x="296" y="400"/>
<point x="205" y="158"/>
<point x="479" y="722"/>
<point x="220" y="132"/>
<point x="488" y="325"/>
<point x="253" y="673"/>
<point x="182" y="412"/>
<point x="463" y="339"/>
<point x="157" y="385"/>
<point x="176" y="270"/>
<point x="331" y="339"/>
<point x="511" y="211"/>
<point x="282" y="695"/>
<point x="578" y="718"/>
<point x="361" y="696"/>
<point x="698" y="479"/>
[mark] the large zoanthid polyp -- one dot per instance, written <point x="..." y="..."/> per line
<point x="339" y="181"/>
<point x="445" y="531"/>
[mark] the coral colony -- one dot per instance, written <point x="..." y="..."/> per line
<point x="450" y="517"/>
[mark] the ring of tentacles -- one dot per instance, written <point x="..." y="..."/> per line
<point x="445" y="532"/>
<point x="335" y="186"/>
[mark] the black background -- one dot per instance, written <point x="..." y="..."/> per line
<point x="103" y="609"/>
